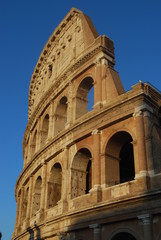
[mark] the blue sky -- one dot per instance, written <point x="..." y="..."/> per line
<point x="25" y="26"/>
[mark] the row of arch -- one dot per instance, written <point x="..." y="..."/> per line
<point x="84" y="103"/>
<point x="120" y="161"/>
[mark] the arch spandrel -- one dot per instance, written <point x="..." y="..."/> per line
<point x="69" y="40"/>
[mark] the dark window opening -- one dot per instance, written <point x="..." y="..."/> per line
<point x="55" y="185"/>
<point x="89" y="177"/>
<point x="123" y="236"/>
<point x="33" y="145"/>
<point x="119" y="159"/>
<point x="44" y="130"/>
<point x="50" y="69"/>
<point x="127" y="172"/>
<point x="159" y="116"/>
<point x="81" y="173"/>
<point x="84" y="97"/>
<point x="90" y="99"/>
<point x="61" y="115"/>
<point x="37" y="196"/>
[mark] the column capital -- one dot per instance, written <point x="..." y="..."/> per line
<point x="145" y="218"/>
<point x="65" y="148"/>
<point x="94" y="226"/>
<point x="98" y="61"/>
<point x="137" y="113"/>
<point x="95" y="131"/>
<point x="143" y="109"/>
<point x="62" y="235"/>
<point x="96" y="230"/>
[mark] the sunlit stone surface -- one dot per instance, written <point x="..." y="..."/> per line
<point x="89" y="172"/>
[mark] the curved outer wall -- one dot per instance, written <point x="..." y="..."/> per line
<point x="88" y="174"/>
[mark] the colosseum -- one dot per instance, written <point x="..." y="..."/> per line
<point x="92" y="152"/>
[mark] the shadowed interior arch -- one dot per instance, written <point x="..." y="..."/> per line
<point x="123" y="236"/>
<point x="81" y="173"/>
<point x="34" y="141"/>
<point x="119" y="159"/>
<point x="54" y="185"/>
<point x="61" y="115"/>
<point x="25" y="203"/>
<point x="44" y="130"/>
<point x="84" y="97"/>
<point x="36" y="196"/>
<point x="159" y="114"/>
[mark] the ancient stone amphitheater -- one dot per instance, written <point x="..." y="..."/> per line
<point x="89" y="172"/>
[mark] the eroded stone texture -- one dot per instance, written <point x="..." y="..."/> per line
<point x="88" y="173"/>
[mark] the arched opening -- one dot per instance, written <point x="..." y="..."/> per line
<point x="61" y="115"/>
<point x="88" y="177"/>
<point x="50" y="69"/>
<point x="159" y="114"/>
<point x="126" y="156"/>
<point x="81" y="173"/>
<point x="123" y="236"/>
<point x="84" y="97"/>
<point x="90" y="99"/>
<point x="44" y="130"/>
<point x="54" y="185"/>
<point x="36" y="196"/>
<point x="156" y="150"/>
<point x="34" y="140"/>
<point x="119" y="159"/>
<point x="26" y="150"/>
<point x="25" y="203"/>
<point x="18" y="216"/>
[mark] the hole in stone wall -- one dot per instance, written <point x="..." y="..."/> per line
<point x="159" y="114"/>
<point x="81" y="175"/>
<point x="123" y="236"/>
<point x="44" y="130"/>
<point x="33" y="145"/>
<point x="36" y="195"/>
<point x="61" y="115"/>
<point x="54" y="185"/>
<point x="84" y="97"/>
<point x="119" y="159"/>
<point x="127" y="172"/>
<point x="50" y="69"/>
<point x="90" y="99"/>
<point x="89" y="176"/>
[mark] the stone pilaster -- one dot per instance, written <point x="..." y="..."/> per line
<point x="38" y="137"/>
<point x="147" y="224"/>
<point x="70" y="109"/>
<point x="51" y="120"/>
<point x="29" y="205"/>
<point x="54" y="123"/>
<point x="141" y="151"/>
<point x="103" y="170"/>
<point x="21" y="207"/>
<point x="17" y="213"/>
<point x="98" y="84"/>
<point x="148" y="142"/>
<point x="65" y="177"/>
<point x="96" y="159"/>
<point x="43" y="187"/>
<point x="96" y="231"/>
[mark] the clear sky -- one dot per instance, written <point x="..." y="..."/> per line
<point x="25" y="26"/>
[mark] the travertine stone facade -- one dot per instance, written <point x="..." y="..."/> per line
<point x="88" y="174"/>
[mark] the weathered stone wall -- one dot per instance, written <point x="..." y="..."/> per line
<point x="88" y="173"/>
